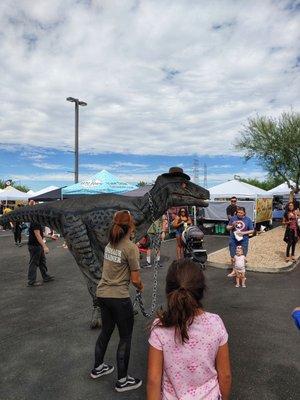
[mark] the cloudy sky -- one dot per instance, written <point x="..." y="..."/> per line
<point x="165" y="80"/>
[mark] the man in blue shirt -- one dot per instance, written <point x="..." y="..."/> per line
<point x="240" y="227"/>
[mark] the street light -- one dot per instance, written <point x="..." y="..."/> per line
<point x="77" y="104"/>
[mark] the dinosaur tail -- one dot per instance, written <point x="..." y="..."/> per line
<point x="41" y="213"/>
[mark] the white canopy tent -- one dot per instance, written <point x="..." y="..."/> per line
<point x="248" y="196"/>
<point x="12" y="194"/>
<point x="281" y="190"/>
<point x="236" y="188"/>
<point x="42" y="191"/>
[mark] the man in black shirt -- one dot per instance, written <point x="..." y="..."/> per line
<point x="37" y="249"/>
<point x="231" y="209"/>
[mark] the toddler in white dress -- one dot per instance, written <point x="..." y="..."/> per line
<point x="240" y="267"/>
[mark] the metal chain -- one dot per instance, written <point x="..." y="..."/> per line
<point x="156" y="247"/>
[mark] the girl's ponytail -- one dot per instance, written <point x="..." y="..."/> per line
<point x="185" y="285"/>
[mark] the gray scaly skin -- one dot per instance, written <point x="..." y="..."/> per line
<point x="85" y="221"/>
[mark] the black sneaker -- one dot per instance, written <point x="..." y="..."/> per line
<point x="48" y="278"/>
<point x="105" y="370"/>
<point x="129" y="384"/>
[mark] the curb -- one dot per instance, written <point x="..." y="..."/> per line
<point x="275" y="270"/>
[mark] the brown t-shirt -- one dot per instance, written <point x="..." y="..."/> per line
<point x="117" y="264"/>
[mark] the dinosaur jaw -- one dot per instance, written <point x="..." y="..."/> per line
<point x="178" y="200"/>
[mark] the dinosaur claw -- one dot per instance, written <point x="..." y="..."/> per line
<point x="96" y="274"/>
<point x="96" y="319"/>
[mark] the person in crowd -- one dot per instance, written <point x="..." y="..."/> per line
<point x="292" y="233"/>
<point x="120" y="267"/>
<point x="1" y="208"/>
<point x="188" y="356"/>
<point x="181" y="222"/>
<point x="232" y="208"/>
<point x="37" y="249"/>
<point x="296" y="316"/>
<point x="165" y="227"/>
<point x="17" y="230"/>
<point x="240" y="227"/>
<point x="6" y="210"/>
<point x="295" y="202"/>
<point x="240" y="267"/>
<point x="155" y="228"/>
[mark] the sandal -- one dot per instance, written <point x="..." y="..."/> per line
<point x="287" y="259"/>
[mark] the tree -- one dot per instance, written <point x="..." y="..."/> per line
<point x="22" y="188"/>
<point x="141" y="183"/>
<point x="267" y="184"/>
<point x="275" y="143"/>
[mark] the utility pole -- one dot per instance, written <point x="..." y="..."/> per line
<point x="77" y="104"/>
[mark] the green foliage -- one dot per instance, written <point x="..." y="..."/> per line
<point x="141" y="183"/>
<point x="267" y="184"/>
<point x="275" y="143"/>
<point x="22" y="188"/>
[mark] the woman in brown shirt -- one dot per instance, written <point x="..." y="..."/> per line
<point x="120" y="267"/>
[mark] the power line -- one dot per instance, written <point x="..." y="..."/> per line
<point x="196" y="170"/>
<point x="205" y="175"/>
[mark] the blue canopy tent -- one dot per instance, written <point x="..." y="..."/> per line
<point x="103" y="182"/>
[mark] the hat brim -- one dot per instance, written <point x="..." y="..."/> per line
<point x="181" y="174"/>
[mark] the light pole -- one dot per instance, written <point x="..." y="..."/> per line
<point x="77" y="104"/>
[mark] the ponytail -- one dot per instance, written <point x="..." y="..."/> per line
<point x="185" y="285"/>
<point x="117" y="233"/>
<point x="122" y="222"/>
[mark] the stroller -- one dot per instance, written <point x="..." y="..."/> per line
<point x="192" y="238"/>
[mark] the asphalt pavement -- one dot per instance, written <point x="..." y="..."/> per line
<point x="46" y="346"/>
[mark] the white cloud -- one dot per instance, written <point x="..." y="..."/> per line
<point x="55" y="177"/>
<point x="159" y="77"/>
<point x="112" y="166"/>
<point x="47" y="165"/>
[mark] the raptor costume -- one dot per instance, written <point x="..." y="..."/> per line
<point x="85" y="221"/>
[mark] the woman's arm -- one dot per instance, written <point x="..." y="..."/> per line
<point x="135" y="278"/>
<point x="224" y="371"/>
<point x="285" y="221"/>
<point x="176" y="223"/>
<point x="154" y="375"/>
<point x="189" y="221"/>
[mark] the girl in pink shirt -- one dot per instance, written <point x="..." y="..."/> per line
<point x="188" y="356"/>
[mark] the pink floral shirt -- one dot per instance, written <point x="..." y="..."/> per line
<point x="189" y="371"/>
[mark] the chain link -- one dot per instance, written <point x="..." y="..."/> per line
<point x="156" y="247"/>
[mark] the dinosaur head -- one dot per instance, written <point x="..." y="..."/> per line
<point x="174" y="189"/>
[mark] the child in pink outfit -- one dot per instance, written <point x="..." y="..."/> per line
<point x="240" y="267"/>
<point x="188" y="352"/>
